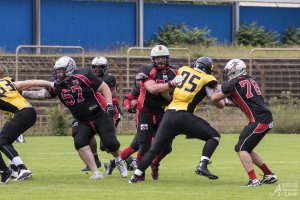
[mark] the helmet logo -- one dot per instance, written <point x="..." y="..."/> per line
<point x="234" y="64"/>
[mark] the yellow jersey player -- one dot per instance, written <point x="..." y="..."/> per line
<point x="197" y="85"/>
<point x="23" y="117"/>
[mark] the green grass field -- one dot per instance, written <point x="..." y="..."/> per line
<point x="56" y="168"/>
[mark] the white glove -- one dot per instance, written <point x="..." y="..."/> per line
<point x="173" y="83"/>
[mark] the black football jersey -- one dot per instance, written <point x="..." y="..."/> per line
<point x="110" y="80"/>
<point x="153" y="103"/>
<point x="246" y="94"/>
<point x="135" y="91"/>
<point x="79" y="94"/>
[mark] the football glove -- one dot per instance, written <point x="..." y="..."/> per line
<point x="132" y="109"/>
<point x="110" y="110"/>
<point x="173" y="83"/>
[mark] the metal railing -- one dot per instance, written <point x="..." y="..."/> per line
<point x="38" y="47"/>
<point x="267" y="49"/>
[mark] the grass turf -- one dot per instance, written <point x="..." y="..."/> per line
<point x="56" y="168"/>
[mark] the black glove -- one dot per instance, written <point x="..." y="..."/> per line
<point x="119" y="110"/>
<point x="132" y="109"/>
<point x="110" y="110"/>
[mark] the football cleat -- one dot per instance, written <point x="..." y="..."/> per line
<point x="133" y="179"/>
<point x="203" y="171"/>
<point x="121" y="165"/>
<point x="14" y="174"/>
<point x="87" y="168"/>
<point x="253" y="183"/>
<point x="269" y="179"/>
<point x="23" y="174"/>
<point x="5" y="176"/>
<point x="109" y="167"/>
<point x="96" y="176"/>
<point x="133" y="165"/>
<point x="154" y="173"/>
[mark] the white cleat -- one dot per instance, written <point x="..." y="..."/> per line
<point x="96" y="176"/>
<point x="23" y="174"/>
<point x="122" y="167"/>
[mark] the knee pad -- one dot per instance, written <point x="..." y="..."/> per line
<point x="79" y="144"/>
<point x="102" y="146"/>
<point x="112" y="145"/>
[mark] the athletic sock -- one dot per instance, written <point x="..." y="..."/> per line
<point x="265" y="169"/>
<point x="125" y="153"/>
<point x="252" y="174"/>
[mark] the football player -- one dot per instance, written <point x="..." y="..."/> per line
<point x="101" y="67"/>
<point x="90" y="101"/>
<point x="23" y="117"/>
<point x="245" y="93"/>
<point x="197" y="85"/>
<point x="156" y="80"/>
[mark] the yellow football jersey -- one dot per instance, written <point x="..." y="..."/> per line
<point x="10" y="98"/>
<point x="191" y="92"/>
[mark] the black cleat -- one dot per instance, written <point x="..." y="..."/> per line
<point x="109" y="167"/>
<point x="5" y="176"/>
<point x="86" y="168"/>
<point x="133" y="165"/>
<point x="253" y="183"/>
<point x="133" y="179"/>
<point x="203" y="171"/>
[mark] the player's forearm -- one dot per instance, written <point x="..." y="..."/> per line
<point x="105" y="91"/>
<point x="39" y="95"/>
<point x="24" y="85"/>
<point x="158" y="87"/>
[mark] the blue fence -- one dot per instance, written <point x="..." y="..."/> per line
<point x="100" y="26"/>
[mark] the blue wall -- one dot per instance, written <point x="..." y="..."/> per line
<point x="277" y="19"/>
<point x="92" y="25"/>
<point x="107" y="25"/>
<point x="15" y="24"/>
<point x="215" y="18"/>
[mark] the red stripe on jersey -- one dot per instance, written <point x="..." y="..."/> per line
<point x="141" y="99"/>
<point x="84" y="79"/>
<point x="100" y="99"/>
<point x="261" y="128"/>
<point x="93" y="126"/>
<point x="242" y="104"/>
<point x="152" y="73"/>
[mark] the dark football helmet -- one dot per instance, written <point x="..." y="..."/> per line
<point x="204" y="64"/>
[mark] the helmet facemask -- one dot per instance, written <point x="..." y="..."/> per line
<point x="100" y="70"/>
<point x="161" y="62"/>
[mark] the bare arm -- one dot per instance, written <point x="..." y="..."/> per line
<point x="105" y="90"/>
<point x="24" y="85"/>
<point x="155" y="88"/>
<point x="41" y="94"/>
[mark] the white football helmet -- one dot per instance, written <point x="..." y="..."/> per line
<point x="67" y="63"/>
<point x="160" y="51"/>
<point x="233" y="69"/>
<point x="102" y="64"/>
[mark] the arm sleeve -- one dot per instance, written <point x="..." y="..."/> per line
<point x="228" y="86"/>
